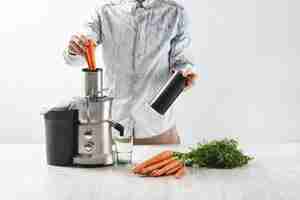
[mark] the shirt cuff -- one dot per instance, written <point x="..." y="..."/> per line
<point x="186" y="66"/>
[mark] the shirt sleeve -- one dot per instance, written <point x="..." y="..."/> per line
<point x="179" y="44"/>
<point x="91" y="28"/>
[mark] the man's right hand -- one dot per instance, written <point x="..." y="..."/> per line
<point x="76" y="44"/>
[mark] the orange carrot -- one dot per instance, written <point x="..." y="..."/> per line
<point x="155" y="159"/>
<point x="87" y="55"/>
<point x="174" y="170"/>
<point x="168" y="167"/>
<point x="87" y="58"/>
<point x="90" y="54"/>
<point x="154" y="172"/>
<point x="180" y="173"/>
<point x="158" y="165"/>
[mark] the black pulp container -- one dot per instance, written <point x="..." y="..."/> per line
<point x="61" y="136"/>
<point x="169" y="93"/>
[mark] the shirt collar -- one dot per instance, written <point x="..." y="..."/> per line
<point x="145" y="3"/>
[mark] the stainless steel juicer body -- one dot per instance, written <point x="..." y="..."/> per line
<point x="95" y="123"/>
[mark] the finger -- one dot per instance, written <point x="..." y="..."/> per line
<point x="73" y="47"/>
<point x="189" y="82"/>
<point x="187" y="72"/>
<point x="82" y="48"/>
<point x="72" y="50"/>
<point x="78" y="41"/>
<point x="191" y="79"/>
<point x="77" y="48"/>
<point x="83" y="38"/>
<point x="193" y="76"/>
<point x="189" y="85"/>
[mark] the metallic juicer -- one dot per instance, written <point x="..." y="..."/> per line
<point x="95" y="123"/>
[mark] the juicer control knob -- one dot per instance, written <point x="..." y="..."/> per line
<point x="89" y="146"/>
<point x="88" y="134"/>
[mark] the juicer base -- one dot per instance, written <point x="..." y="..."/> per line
<point x="90" y="160"/>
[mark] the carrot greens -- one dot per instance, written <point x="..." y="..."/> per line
<point x="222" y="154"/>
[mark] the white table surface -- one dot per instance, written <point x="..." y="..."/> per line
<point x="273" y="175"/>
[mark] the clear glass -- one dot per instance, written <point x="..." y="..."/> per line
<point x="123" y="146"/>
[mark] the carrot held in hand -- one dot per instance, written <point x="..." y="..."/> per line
<point x="93" y="54"/>
<point x="180" y="173"/>
<point x="87" y="54"/>
<point x="162" y="156"/>
<point x="90" y="54"/>
<point x="158" y="165"/>
<point x="88" y="60"/>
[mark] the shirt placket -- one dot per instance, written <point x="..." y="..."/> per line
<point x="139" y="44"/>
<point x="139" y="15"/>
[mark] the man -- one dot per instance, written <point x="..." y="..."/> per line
<point x="143" y="42"/>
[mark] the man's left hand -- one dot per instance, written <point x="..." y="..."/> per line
<point x="191" y="76"/>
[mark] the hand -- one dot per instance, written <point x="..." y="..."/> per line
<point x="191" y="76"/>
<point x="76" y="44"/>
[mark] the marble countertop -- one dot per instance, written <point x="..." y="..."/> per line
<point x="274" y="175"/>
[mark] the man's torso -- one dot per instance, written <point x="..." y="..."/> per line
<point x="136" y="44"/>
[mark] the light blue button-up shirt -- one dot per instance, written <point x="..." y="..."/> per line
<point x="141" y="43"/>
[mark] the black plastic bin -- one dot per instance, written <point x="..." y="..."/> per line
<point x="61" y="136"/>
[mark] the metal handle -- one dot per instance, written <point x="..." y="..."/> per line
<point x="119" y="127"/>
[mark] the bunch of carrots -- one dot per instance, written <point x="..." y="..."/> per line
<point x="162" y="164"/>
<point x="90" y="47"/>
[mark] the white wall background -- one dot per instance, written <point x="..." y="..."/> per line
<point x="248" y="51"/>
